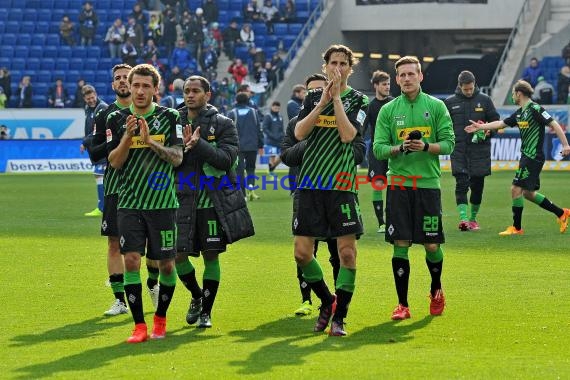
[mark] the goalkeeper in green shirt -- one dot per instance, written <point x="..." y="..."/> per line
<point x="411" y="132"/>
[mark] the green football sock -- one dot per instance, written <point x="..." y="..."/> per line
<point x="184" y="267"/>
<point x="376" y="195"/>
<point x="474" y="211"/>
<point x="168" y="279"/>
<point x="346" y="279"/>
<point x="312" y="272"/>
<point x="212" y="270"/>
<point x="462" y="208"/>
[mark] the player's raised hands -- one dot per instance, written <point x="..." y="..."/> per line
<point x="190" y="137"/>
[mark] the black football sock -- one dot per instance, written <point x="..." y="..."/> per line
<point x="401" y="270"/>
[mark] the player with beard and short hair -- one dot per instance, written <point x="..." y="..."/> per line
<point x="145" y="144"/>
<point x="381" y="82"/>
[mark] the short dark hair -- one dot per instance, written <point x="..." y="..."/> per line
<point x="524" y="87"/>
<point x="352" y="60"/>
<point x="408" y="59"/>
<point x="242" y="98"/>
<point x="298" y="88"/>
<point x="145" y="70"/>
<point x="121" y="66"/>
<point x="379" y="77"/>
<point x="315" y="77"/>
<point x="465" y="77"/>
<point x="203" y="82"/>
<point x="276" y="103"/>
<point x="88" y="89"/>
<point x="243" y="87"/>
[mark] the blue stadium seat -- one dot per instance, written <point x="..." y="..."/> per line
<point x="44" y="16"/>
<point x="24" y="39"/>
<point x="42" y="27"/>
<point x="54" y="27"/>
<point x="106" y="64"/>
<point x="2" y="27"/>
<point x="271" y="41"/>
<point x="62" y="64"/>
<point x="288" y="41"/>
<point x="5" y="62"/>
<point x="101" y="87"/>
<point x="237" y="15"/>
<point x="41" y="4"/>
<point x="295" y="28"/>
<point x="28" y="27"/>
<point x="73" y="76"/>
<point x="102" y="76"/>
<point x="236" y="5"/>
<point x="101" y="5"/>
<point x="39" y="101"/>
<point x="93" y="52"/>
<point x="57" y="74"/>
<point x="57" y="14"/>
<point x="259" y="28"/>
<point x="30" y="15"/>
<point x="16" y="15"/>
<point x="47" y="64"/>
<point x="64" y="52"/>
<point x="40" y="88"/>
<point x="21" y="52"/>
<point x="302" y="16"/>
<point x="259" y="40"/>
<point x="280" y="29"/>
<point x="223" y="5"/>
<point x="270" y="51"/>
<point x="91" y="64"/>
<point x="79" y="52"/>
<point x="43" y="76"/>
<point x="3" y="14"/>
<point x="12" y="27"/>
<point x="7" y="51"/>
<point x="302" y="5"/>
<point x="223" y="17"/>
<point x="53" y="39"/>
<point x="40" y="39"/>
<point x="77" y="4"/>
<point x="241" y="53"/>
<point x="33" y="64"/>
<point x="73" y="13"/>
<point x="20" y="63"/>
<point x="88" y="76"/>
<point x="36" y="52"/>
<point x="60" y="4"/>
<point x="112" y="15"/>
<point x="76" y="63"/>
<point x="50" y="52"/>
<point x="9" y="39"/>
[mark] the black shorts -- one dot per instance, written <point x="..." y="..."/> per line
<point x="414" y="215"/>
<point x="209" y="235"/>
<point x="327" y="213"/>
<point x="109" y="226"/>
<point x="528" y="174"/>
<point x="153" y="229"/>
<point x="377" y="167"/>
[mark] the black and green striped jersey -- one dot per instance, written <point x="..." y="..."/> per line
<point x="146" y="181"/>
<point x="204" y="200"/>
<point x="327" y="162"/>
<point x="531" y="120"/>
<point x="111" y="177"/>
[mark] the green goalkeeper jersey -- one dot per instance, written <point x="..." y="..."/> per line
<point x="396" y="120"/>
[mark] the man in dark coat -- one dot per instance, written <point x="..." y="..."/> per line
<point x="471" y="158"/>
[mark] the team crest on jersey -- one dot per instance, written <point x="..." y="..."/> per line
<point x="104" y="225"/>
<point x="122" y="241"/>
<point x="109" y="135"/>
<point x="426" y="115"/>
<point x="212" y="129"/>
<point x="361" y="116"/>
<point x="156" y="123"/>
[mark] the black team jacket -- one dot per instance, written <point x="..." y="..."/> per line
<point x="217" y="147"/>
<point x="473" y="159"/>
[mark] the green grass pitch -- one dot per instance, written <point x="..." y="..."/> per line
<point x="507" y="314"/>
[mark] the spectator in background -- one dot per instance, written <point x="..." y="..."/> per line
<point x="563" y="85"/>
<point x="149" y="49"/>
<point x="277" y="67"/>
<point x="250" y="11"/>
<point x="543" y="91"/>
<point x="269" y="14"/>
<point x="6" y="82"/>
<point x="566" y="54"/>
<point x="139" y="16"/>
<point x="88" y="22"/>
<point x="200" y="18"/>
<point x="208" y="59"/>
<point x="273" y="129"/>
<point x="174" y="74"/>
<point x="193" y="34"/>
<point x="181" y="57"/>
<point x="78" y="101"/>
<point x="154" y="61"/>
<point x="66" y="30"/>
<point x="294" y="104"/>
<point x="115" y="38"/>
<point x="135" y="33"/>
<point x="4" y="132"/>
<point x="289" y="13"/>
<point x="169" y="31"/>
<point x="238" y="70"/>
<point x="154" y="29"/>
<point x="129" y="53"/>
<point x="58" y="96"/>
<point x="247" y="36"/>
<point x="211" y="11"/>
<point x="532" y="72"/>
<point x="176" y="97"/>
<point x="217" y="35"/>
<point x="231" y="36"/>
<point x="25" y="92"/>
